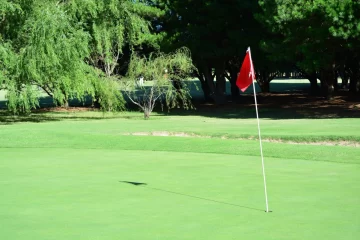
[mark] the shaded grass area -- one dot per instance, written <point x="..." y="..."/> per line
<point x="77" y="194"/>
<point x="52" y="115"/>
<point x="80" y="123"/>
<point x="289" y="100"/>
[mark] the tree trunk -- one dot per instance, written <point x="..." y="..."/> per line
<point x="209" y="81"/>
<point x="220" y="83"/>
<point x="344" y="82"/>
<point x="265" y="86"/>
<point x="354" y="86"/>
<point x="314" y="88"/>
<point x="327" y="80"/>
<point x="215" y="92"/>
<point x="235" y="92"/>
<point x="147" y="113"/>
<point x="204" y="86"/>
<point x="354" y="78"/>
<point x="178" y="85"/>
<point x="66" y="104"/>
<point x="335" y="82"/>
<point x="344" y="77"/>
<point x="263" y="79"/>
<point x="96" y="102"/>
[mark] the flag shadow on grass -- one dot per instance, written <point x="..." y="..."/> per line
<point x="187" y="195"/>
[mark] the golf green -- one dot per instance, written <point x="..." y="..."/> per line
<point x="67" y="193"/>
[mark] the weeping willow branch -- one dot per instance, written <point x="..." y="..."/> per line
<point x="166" y="75"/>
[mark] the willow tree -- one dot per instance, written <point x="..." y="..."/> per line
<point x="54" y="53"/>
<point x="51" y="51"/>
<point x="167" y="74"/>
<point x="9" y="11"/>
<point x="20" y="97"/>
<point x="114" y="25"/>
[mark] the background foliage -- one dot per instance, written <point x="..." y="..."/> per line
<point x="81" y="49"/>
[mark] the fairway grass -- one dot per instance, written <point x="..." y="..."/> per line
<point x="233" y="124"/>
<point x="65" y="176"/>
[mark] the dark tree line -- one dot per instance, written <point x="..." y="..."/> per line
<point x="77" y="48"/>
<point x="318" y="39"/>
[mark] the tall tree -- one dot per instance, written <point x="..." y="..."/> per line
<point x="319" y="35"/>
<point x="70" y="49"/>
<point x="217" y="33"/>
<point x="12" y="16"/>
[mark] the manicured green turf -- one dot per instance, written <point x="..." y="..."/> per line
<point x="61" y="179"/>
<point x="223" y="124"/>
<point x="76" y="194"/>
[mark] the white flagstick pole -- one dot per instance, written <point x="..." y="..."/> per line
<point x="261" y="151"/>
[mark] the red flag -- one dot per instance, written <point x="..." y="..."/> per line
<point x="247" y="74"/>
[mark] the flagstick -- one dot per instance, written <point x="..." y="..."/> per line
<point x="262" y="157"/>
<point x="243" y="81"/>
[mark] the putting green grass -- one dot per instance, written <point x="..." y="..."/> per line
<point x="77" y="194"/>
<point x="64" y="179"/>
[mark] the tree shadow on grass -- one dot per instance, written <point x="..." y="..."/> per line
<point x="288" y="101"/>
<point x="277" y="106"/>
<point x="187" y="195"/>
<point x="7" y="118"/>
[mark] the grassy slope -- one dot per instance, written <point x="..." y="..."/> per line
<point x="109" y="134"/>
<point x="288" y="129"/>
